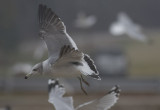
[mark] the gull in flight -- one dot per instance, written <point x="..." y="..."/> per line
<point x="56" y="92"/>
<point x="124" y="25"/>
<point x="84" y="21"/>
<point x="64" y="60"/>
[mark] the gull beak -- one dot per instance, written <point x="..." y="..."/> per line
<point x="28" y="75"/>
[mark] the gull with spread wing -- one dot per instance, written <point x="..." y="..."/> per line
<point x="64" y="60"/>
<point x="56" y="92"/>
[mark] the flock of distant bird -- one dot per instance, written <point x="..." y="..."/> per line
<point x="66" y="60"/>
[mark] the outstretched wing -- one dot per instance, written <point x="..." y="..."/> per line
<point x="53" y="31"/>
<point x="69" y="55"/>
<point x="56" y="98"/>
<point x="83" y="62"/>
<point x="103" y="103"/>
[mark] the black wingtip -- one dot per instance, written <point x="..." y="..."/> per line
<point x="90" y="63"/>
<point x="52" y="83"/>
<point x="95" y="76"/>
<point x="116" y="89"/>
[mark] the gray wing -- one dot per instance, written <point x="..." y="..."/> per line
<point x="53" y="31"/>
<point x="104" y="103"/>
<point x="56" y="98"/>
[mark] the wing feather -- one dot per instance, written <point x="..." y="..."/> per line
<point x="69" y="54"/>
<point x="56" y="92"/>
<point x="104" y="103"/>
<point x="53" y="32"/>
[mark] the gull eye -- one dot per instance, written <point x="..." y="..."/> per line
<point x="34" y="69"/>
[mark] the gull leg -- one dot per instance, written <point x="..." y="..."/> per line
<point x="85" y="81"/>
<point x="80" y="79"/>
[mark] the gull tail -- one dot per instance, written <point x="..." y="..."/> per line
<point x="48" y="19"/>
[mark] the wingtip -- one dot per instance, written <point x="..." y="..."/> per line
<point x="99" y="78"/>
<point x="47" y="18"/>
<point x="91" y="64"/>
<point x="52" y="83"/>
<point x="116" y="89"/>
<point x="95" y="76"/>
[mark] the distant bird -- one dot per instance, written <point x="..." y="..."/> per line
<point x="65" y="60"/>
<point x="124" y="25"/>
<point x="56" y="92"/>
<point x="83" y="21"/>
<point x="20" y="68"/>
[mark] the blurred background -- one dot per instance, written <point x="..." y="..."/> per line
<point x="123" y="38"/>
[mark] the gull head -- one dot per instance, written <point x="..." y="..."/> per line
<point x="37" y="69"/>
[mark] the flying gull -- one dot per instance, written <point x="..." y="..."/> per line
<point x="64" y="60"/>
<point x="56" y="92"/>
<point x="83" y="21"/>
<point x="124" y="25"/>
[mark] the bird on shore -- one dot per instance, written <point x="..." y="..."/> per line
<point x="56" y="92"/>
<point x="64" y="58"/>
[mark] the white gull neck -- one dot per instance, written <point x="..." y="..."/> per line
<point x="46" y="66"/>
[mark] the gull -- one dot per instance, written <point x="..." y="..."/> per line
<point x="64" y="58"/>
<point x="56" y="92"/>
<point x="84" y="21"/>
<point x="124" y="25"/>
